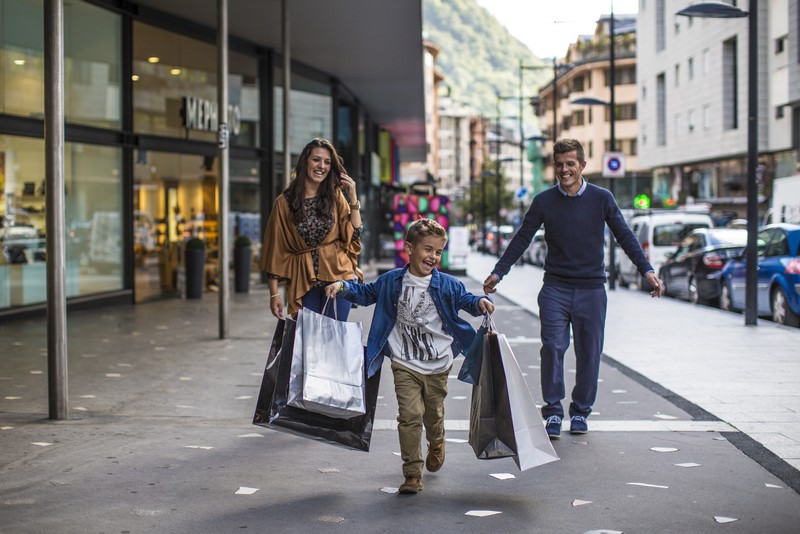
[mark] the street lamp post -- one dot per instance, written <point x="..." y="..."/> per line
<point x="724" y="10"/>
<point x="612" y="141"/>
<point x="522" y="68"/>
<point x="556" y="66"/>
<point x="498" y="140"/>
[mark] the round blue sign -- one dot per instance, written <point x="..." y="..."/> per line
<point x="614" y="164"/>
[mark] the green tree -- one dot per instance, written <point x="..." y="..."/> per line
<point x="478" y="57"/>
<point x="488" y="185"/>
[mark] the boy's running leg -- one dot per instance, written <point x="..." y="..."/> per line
<point x="408" y="389"/>
<point x="434" y="393"/>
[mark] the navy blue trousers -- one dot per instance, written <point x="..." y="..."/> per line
<point x="315" y="299"/>
<point x="585" y="311"/>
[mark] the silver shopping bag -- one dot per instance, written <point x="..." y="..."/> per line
<point x="327" y="373"/>
<point x="533" y="443"/>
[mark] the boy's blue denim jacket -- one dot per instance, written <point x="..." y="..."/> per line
<point x="449" y="296"/>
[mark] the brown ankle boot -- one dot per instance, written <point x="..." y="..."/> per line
<point x="413" y="484"/>
<point x="435" y="458"/>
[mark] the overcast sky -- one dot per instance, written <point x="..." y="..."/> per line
<point x="549" y="26"/>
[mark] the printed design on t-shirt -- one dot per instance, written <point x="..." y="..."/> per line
<point x="416" y="344"/>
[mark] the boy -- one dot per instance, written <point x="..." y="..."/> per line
<point x="416" y="324"/>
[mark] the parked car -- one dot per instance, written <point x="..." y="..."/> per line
<point x="537" y="250"/>
<point x="658" y="232"/>
<point x="496" y="242"/>
<point x="692" y="271"/>
<point x="778" y="288"/>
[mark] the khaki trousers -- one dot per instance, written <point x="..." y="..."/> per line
<point x="420" y="401"/>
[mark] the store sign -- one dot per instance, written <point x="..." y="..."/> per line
<point x="201" y="114"/>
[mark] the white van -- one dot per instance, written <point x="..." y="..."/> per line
<point x="658" y="232"/>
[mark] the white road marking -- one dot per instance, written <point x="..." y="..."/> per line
<point x="459" y="425"/>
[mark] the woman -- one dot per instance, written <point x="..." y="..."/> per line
<point x="313" y="236"/>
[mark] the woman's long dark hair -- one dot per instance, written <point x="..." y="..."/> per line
<point x="295" y="193"/>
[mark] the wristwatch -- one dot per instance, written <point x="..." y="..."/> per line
<point x="356" y="205"/>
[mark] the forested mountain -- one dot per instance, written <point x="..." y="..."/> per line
<point x="478" y="56"/>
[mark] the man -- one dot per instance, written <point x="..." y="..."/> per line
<point x="574" y="213"/>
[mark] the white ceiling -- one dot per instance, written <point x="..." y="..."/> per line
<point x="373" y="46"/>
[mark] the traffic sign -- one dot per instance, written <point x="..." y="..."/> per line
<point x="521" y="193"/>
<point x="613" y="165"/>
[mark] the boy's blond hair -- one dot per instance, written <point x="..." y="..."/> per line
<point x="422" y="228"/>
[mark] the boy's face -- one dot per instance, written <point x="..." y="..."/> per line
<point x="425" y="254"/>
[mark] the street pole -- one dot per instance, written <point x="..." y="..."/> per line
<point x="555" y="103"/>
<point x="57" y="376"/>
<point x="497" y="178"/>
<point x="612" y="75"/>
<point x="751" y="274"/>
<point x="727" y="11"/>
<point x="223" y="163"/>
<point x="521" y="147"/>
<point x="483" y="212"/>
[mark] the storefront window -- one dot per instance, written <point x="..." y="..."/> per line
<point x="174" y="198"/>
<point x="245" y="217"/>
<point x="92" y="62"/>
<point x="93" y="199"/>
<point x="175" y="88"/>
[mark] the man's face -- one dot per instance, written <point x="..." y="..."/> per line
<point x="568" y="170"/>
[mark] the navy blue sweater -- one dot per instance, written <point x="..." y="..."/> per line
<point x="574" y="228"/>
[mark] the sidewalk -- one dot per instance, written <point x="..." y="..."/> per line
<point x="748" y="377"/>
<point x="160" y="435"/>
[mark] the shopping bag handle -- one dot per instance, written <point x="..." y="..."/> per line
<point x="488" y="322"/>
<point x="335" y="308"/>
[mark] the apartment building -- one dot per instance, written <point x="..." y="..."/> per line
<point x="693" y="102"/>
<point x="584" y="73"/>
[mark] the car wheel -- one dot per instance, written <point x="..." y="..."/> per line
<point x="621" y="279"/>
<point x="781" y="312"/>
<point x="725" y="301"/>
<point x="664" y="282"/>
<point x="694" y="298"/>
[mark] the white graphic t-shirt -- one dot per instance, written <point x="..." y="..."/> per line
<point x="418" y="339"/>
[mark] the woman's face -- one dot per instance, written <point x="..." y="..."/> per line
<point x="318" y="165"/>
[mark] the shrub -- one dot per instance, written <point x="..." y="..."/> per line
<point x="195" y="243"/>
<point x="242" y="241"/>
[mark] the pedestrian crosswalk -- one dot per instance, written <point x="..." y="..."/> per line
<point x="600" y="425"/>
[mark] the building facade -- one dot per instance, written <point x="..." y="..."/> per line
<point x="693" y="102"/>
<point x="141" y="127"/>
<point x="453" y="149"/>
<point x="584" y="73"/>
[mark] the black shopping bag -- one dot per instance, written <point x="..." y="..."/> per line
<point x="504" y="420"/>
<point x="491" y="430"/>
<point x="471" y="368"/>
<point x="273" y="412"/>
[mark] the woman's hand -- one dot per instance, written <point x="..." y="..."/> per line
<point x="276" y="305"/>
<point x="348" y="185"/>
<point x="331" y="290"/>
<point x="486" y="306"/>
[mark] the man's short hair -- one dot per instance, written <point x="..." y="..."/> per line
<point x="422" y="228"/>
<point x="568" y="145"/>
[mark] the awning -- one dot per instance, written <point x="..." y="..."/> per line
<point x="373" y="47"/>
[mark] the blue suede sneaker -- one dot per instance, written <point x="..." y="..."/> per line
<point x="553" y="426"/>
<point x="578" y="425"/>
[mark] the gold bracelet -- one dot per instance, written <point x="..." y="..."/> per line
<point x="356" y="205"/>
<point x="275" y="295"/>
